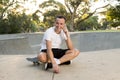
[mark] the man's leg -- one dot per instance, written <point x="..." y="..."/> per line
<point x="42" y="57"/>
<point x="69" y="55"/>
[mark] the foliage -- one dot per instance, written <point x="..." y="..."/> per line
<point x="49" y="18"/>
<point x="113" y="15"/>
<point x="52" y="8"/>
<point x="88" y="24"/>
<point x="77" y="13"/>
<point x="73" y="10"/>
<point x="14" y="21"/>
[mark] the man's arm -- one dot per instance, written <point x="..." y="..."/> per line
<point x="51" y="57"/>
<point x="69" y="41"/>
<point x="49" y="51"/>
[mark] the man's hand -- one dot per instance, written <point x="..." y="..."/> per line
<point x="56" y="68"/>
<point x="65" y="29"/>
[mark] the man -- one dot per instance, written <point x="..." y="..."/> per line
<point x="51" y="53"/>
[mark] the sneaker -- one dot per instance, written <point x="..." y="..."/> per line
<point x="48" y="65"/>
<point x="66" y="63"/>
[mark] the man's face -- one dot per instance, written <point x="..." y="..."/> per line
<point x="59" y="23"/>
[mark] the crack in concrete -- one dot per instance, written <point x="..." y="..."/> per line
<point x="53" y="76"/>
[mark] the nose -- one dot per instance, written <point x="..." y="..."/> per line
<point x="58" y="25"/>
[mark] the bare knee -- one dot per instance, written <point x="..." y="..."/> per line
<point x="76" y="52"/>
<point x="73" y="52"/>
<point x="42" y="57"/>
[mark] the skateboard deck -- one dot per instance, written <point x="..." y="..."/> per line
<point x="33" y="60"/>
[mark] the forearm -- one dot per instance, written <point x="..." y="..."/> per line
<point x="69" y="41"/>
<point x="49" y="52"/>
<point x="50" y="55"/>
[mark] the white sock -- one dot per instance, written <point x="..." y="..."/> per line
<point x="57" y="61"/>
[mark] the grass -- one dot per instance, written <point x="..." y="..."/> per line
<point x="101" y="31"/>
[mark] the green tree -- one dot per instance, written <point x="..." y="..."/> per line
<point x="113" y="16"/>
<point x="88" y="24"/>
<point x="14" y="21"/>
<point x="6" y="5"/>
<point x="76" y="10"/>
<point x="4" y="8"/>
<point x="17" y="23"/>
<point x="52" y="8"/>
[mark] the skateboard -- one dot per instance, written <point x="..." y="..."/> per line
<point x="34" y="60"/>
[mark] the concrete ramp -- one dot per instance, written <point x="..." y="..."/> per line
<point x="18" y="45"/>
<point x="84" y="41"/>
<point x="94" y="41"/>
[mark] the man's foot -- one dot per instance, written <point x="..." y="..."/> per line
<point x="66" y="63"/>
<point x="47" y="66"/>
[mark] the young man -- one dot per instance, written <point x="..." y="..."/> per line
<point x="51" y="53"/>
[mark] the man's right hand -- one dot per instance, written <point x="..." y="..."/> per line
<point x="56" y="68"/>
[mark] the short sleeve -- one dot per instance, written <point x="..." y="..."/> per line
<point x="47" y="35"/>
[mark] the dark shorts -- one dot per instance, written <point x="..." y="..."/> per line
<point x="58" y="53"/>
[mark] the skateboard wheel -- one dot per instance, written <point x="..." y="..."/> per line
<point x="38" y="63"/>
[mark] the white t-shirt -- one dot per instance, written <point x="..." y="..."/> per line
<point x="56" y="39"/>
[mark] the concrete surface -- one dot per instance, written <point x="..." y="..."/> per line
<point x="84" y="41"/>
<point x="18" y="45"/>
<point x="93" y="41"/>
<point x="94" y="65"/>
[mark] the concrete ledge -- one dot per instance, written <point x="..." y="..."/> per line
<point x="18" y="45"/>
<point x="87" y="41"/>
<point x="93" y="41"/>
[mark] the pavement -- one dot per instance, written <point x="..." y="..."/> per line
<point x="93" y="65"/>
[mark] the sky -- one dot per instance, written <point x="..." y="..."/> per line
<point x="32" y="8"/>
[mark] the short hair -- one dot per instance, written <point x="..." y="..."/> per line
<point x="61" y="17"/>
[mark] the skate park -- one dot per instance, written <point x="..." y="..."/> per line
<point x="99" y="58"/>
